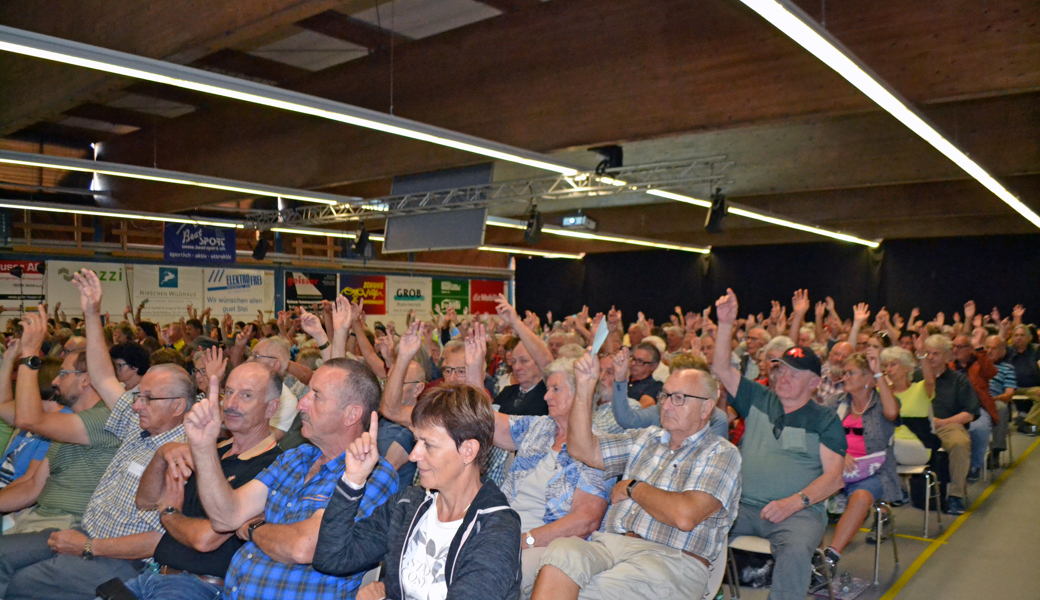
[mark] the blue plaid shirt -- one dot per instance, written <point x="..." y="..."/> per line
<point x="534" y="437"/>
<point x="290" y="499"/>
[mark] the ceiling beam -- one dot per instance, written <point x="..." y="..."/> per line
<point x="340" y="26"/>
<point x="257" y="68"/>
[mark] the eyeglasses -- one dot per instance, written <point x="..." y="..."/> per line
<point x="677" y="398"/>
<point x="640" y="362"/>
<point x="449" y="371"/>
<point x="256" y="356"/>
<point x="120" y="365"/>
<point x="147" y="399"/>
<point x="66" y="372"/>
<point x="849" y="373"/>
<point x="414" y="382"/>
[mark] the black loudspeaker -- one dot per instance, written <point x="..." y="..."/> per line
<point x="533" y="232"/>
<point x="717" y="214"/>
<point x="362" y="243"/>
<point x="260" y="251"/>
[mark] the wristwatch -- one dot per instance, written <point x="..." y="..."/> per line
<point x="252" y="528"/>
<point x="806" y="503"/>
<point x="88" y="554"/>
<point x="529" y="540"/>
<point x="169" y="510"/>
<point x="33" y="362"/>
<point x="632" y="484"/>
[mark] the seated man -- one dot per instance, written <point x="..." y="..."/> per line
<point x="274" y="355"/>
<point x="395" y="441"/>
<point x="641" y="385"/>
<point x="665" y="525"/>
<point x="279" y="512"/>
<point x="194" y="558"/>
<point x="793" y="453"/>
<point x="55" y="494"/>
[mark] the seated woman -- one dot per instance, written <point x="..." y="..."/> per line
<point x="869" y="411"/>
<point x="554" y="494"/>
<point x="459" y="541"/>
<point x="914" y="441"/>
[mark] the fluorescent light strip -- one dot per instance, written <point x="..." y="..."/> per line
<point x="379" y="238"/>
<point x="114" y="213"/>
<point x="750" y="214"/>
<point x="798" y="26"/>
<point x="165" y="176"/>
<point x="532" y="252"/>
<point x="603" y="237"/>
<point x="129" y="65"/>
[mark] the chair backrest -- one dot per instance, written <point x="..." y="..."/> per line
<point x="716" y="572"/>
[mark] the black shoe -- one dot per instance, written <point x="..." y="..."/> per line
<point x="974" y="474"/>
<point x="954" y="506"/>
<point x="993" y="460"/>
<point x="1028" y="429"/>
<point x="821" y="566"/>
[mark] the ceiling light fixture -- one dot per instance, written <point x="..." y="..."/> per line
<point x="798" y="26"/>
<point x="162" y="175"/>
<point x="129" y="65"/>
<point x="532" y="252"/>
<point x="603" y="237"/>
<point x="379" y="238"/>
<point x="114" y="213"/>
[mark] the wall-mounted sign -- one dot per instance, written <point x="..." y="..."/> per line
<point x="186" y="243"/>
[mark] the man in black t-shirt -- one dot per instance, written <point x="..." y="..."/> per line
<point x="192" y="557"/>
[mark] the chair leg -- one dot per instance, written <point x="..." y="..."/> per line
<point x="878" y="516"/>
<point x="828" y="574"/>
<point x="734" y="580"/>
<point x="929" y="480"/>
<point x="1011" y="458"/>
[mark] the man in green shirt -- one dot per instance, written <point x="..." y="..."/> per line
<point x="792" y="456"/>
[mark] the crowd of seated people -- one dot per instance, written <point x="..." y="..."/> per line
<point x="478" y="456"/>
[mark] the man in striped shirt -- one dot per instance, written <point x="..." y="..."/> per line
<point x="1002" y="388"/>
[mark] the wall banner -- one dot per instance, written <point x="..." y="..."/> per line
<point x="370" y="288"/>
<point x="185" y="243"/>
<point x="306" y="289"/>
<point x="21" y="292"/>
<point x="166" y="291"/>
<point x="483" y="295"/>
<point x="239" y="292"/>
<point x="451" y="293"/>
<point x="115" y="286"/>
<point x="408" y="293"/>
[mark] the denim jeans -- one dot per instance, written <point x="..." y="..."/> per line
<point x="185" y="586"/>
<point x="980" y="430"/>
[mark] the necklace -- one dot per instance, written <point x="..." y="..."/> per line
<point x="852" y="407"/>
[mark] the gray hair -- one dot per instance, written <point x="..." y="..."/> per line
<point x="939" y="342"/>
<point x="182" y="385"/>
<point x="898" y="354"/>
<point x="780" y="342"/>
<point x="570" y="351"/>
<point x="361" y="386"/>
<point x="564" y="366"/>
<point x="278" y="348"/>
<point x="452" y="347"/>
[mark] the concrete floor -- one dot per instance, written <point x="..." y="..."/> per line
<point x="993" y="554"/>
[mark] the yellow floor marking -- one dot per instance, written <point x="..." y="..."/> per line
<point x="939" y="541"/>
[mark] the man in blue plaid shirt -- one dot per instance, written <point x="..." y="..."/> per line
<point x="279" y="513"/>
<point x="672" y="509"/>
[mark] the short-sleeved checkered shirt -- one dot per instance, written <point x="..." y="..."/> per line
<point x="534" y="438"/>
<point x="704" y="463"/>
<point x="112" y="510"/>
<point x="290" y="499"/>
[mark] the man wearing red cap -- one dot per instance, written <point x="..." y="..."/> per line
<point x="792" y="450"/>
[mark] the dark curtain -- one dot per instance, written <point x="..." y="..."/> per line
<point x="933" y="274"/>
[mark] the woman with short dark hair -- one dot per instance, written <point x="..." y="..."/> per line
<point x="457" y="536"/>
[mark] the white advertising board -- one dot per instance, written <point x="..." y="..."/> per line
<point x="115" y="286"/>
<point x="168" y="291"/>
<point x="239" y="292"/>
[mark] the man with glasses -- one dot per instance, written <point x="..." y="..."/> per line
<point x="114" y="536"/>
<point x="273" y="354"/>
<point x="746" y="359"/>
<point x="57" y="492"/>
<point x="641" y="384"/>
<point x="406" y="382"/>
<point x="793" y="452"/>
<point x="832" y="382"/>
<point x="669" y="513"/>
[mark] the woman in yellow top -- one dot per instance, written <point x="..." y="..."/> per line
<point x="914" y="439"/>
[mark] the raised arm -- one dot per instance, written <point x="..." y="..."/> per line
<point x="721" y="365"/>
<point x="311" y="325"/>
<point x="926" y="369"/>
<point x="799" y="306"/>
<point x="29" y="413"/>
<point x="625" y="415"/>
<point x="860" y="314"/>
<point x="99" y="364"/>
<point x="535" y="346"/>
<point x="889" y="402"/>
<point x="582" y="444"/>
<point x="391" y="405"/>
<point x="7" y="367"/>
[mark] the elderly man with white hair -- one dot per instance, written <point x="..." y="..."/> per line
<point x="273" y="354"/>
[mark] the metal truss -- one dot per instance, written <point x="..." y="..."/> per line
<point x="708" y="171"/>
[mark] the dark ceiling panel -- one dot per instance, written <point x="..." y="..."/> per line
<point x="340" y="26"/>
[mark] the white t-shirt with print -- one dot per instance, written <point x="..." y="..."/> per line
<point x="426" y="552"/>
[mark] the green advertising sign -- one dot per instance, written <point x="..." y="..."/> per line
<point x="451" y="293"/>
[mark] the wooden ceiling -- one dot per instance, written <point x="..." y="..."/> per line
<point x="668" y="80"/>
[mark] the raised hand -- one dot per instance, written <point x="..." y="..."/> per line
<point x="311" y="324"/>
<point x="861" y="312"/>
<point x="202" y="423"/>
<point x="586" y="376"/>
<point x="1017" y="312"/>
<point x="820" y="311"/>
<point x="774" y="312"/>
<point x="897" y="321"/>
<point x="873" y="359"/>
<point x="693" y="322"/>
<point x="800" y="302"/>
<point x="410" y="342"/>
<point x="613" y="319"/>
<point x="244" y="336"/>
<point x="362" y="455"/>
<point x="34" y="330"/>
<point x="940" y="319"/>
<point x="214" y="362"/>
<point x="13" y="351"/>
<point x="976" y="322"/>
<point x="476" y="349"/>
<point x="995" y="314"/>
<point x="726" y="307"/>
<point x="506" y="311"/>
<point x="89" y="286"/>
<point x="342" y="314"/>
